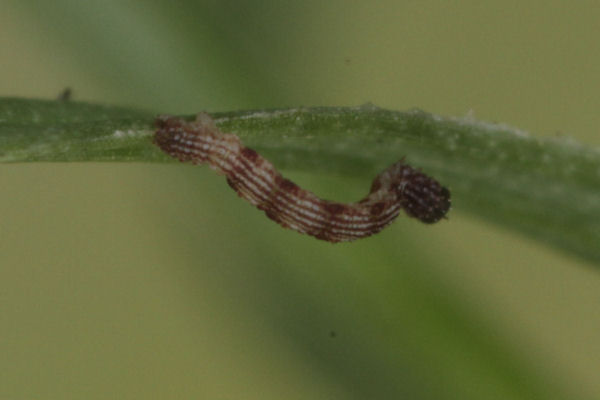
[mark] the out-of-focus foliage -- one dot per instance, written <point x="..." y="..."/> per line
<point x="154" y="280"/>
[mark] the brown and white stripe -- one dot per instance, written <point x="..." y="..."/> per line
<point x="400" y="186"/>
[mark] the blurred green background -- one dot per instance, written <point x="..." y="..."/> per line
<point x="156" y="281"/>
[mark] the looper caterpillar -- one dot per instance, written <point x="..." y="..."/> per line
<point x="398" y="187"/>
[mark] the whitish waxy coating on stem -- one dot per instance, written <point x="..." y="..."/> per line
<point x="255" y="179"/>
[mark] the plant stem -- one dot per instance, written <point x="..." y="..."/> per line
<point x="547" y="188"/>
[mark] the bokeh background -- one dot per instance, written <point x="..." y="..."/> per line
<point x="156" y="281"/>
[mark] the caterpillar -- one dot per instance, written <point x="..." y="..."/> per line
<point x="398" y="187"/>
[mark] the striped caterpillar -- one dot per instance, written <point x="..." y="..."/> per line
<point x="400" y="186"/>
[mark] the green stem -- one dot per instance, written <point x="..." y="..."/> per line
<point x="547" y="188"/>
